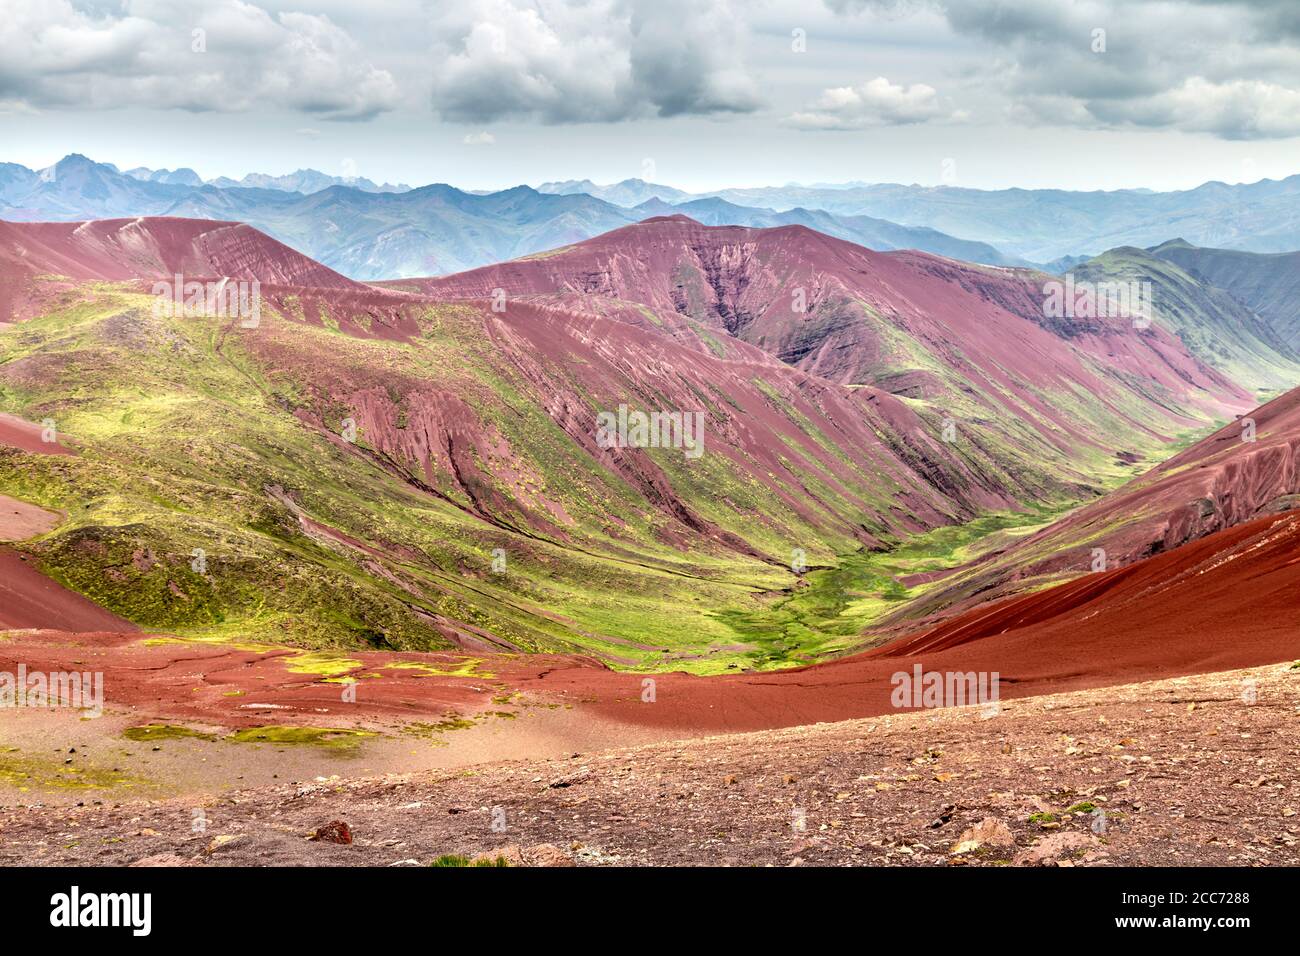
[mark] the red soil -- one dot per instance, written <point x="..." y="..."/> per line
<point x="1178" y="612"/>
<point x="148" y="248"/>
<point x="567" y="361"/>
<point x="1216" y="483"/>
<point x="26" y="436"/>
<point x="30" y="599"/>
<point x="1219" y="482"/>
<point x="20" y="520"/>
<point x="985" y="323"/>
<point x="1226" y="601"/>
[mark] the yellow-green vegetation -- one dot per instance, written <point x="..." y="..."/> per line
<point x="450" y="721"/>
<point x="213" y="500"/>
<point x="148" y="733"/>
<point x="188" y="445"/>
<point x="196" y="466"/>
<point x="469" y="667"/>
<point x="453" y="859"/>
<point x="25" y="773"/>
<point x="832" y="608"/>
<point x="333" y="738"/>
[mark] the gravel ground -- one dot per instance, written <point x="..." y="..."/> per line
<point x="1196" y="770"/>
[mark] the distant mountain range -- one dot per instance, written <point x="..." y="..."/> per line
<point x="630" y="192"/>
<point x="393" y="232"/>
<point x="1218" y="326"/>
<point x="304" y="181"/>
<point x="1267" y="284"/>
<point x="369" y="231"/>
<point x="1038" y="225"/>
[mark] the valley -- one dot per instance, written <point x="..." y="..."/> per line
<point x="375" y="532"/>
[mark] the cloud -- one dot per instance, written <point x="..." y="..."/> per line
<point x="479" y="139"/>
<point x="1240" y="109"/>
<point x="1228" y="68"/>
<point x="877" y="102"/>
<point x="210" y="55"/>
<point x="595" y="61"/>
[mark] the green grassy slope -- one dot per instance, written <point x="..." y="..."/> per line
<point x="196" y="436"/>
<point x="1213" y="325"/>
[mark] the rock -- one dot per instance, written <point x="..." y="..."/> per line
<point x="223" y="841"/>
<point x="336" y="831"/>
<point x="547" y="854"/>
<point x="543" y="854"/>
<point x="944" y="816"/>
<point x="1049" y="850"/>
<point x="988" y="832"/>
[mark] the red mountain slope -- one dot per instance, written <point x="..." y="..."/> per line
<point x="30" y="599"/>
<point x="1224" y="602"/>
<point x="488" y="420"/>
<point x="148" y="248"/>
<point x="1217" y="483"/>
<point x="969" y="341"/>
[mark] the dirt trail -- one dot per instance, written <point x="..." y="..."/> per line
<point x="1195" y="770"/>
<point x="30" y="599"/>
<point x="27" y="436"/>
<point x="20" y="520"/>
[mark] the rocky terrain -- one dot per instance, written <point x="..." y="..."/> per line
<point x="1193" y="770"/>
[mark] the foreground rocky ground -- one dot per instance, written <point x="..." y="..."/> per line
<point x="1194" y="770"/>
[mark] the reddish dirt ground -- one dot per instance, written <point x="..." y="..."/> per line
<point x="30" y="599"/>
<point x="20" y="520"/>
<point x="1226" y="601"/>
<point x="26" y="436"/>
<point x="1190" y="771"/>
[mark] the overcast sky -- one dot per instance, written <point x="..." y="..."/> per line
<point x="700" y="94"/>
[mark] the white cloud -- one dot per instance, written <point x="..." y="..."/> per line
<point x="1239" y="109"/>
<point x="212" y="55"/>
<point x="877" y="102"/>
<point x="483" y="138"/>
<point x="590" y="61"/>
<point x="1230" y="68"/>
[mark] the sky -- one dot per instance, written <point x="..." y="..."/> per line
<point x="698" y="94"/>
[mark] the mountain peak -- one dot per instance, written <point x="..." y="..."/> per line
<point x="675" y="217"/>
